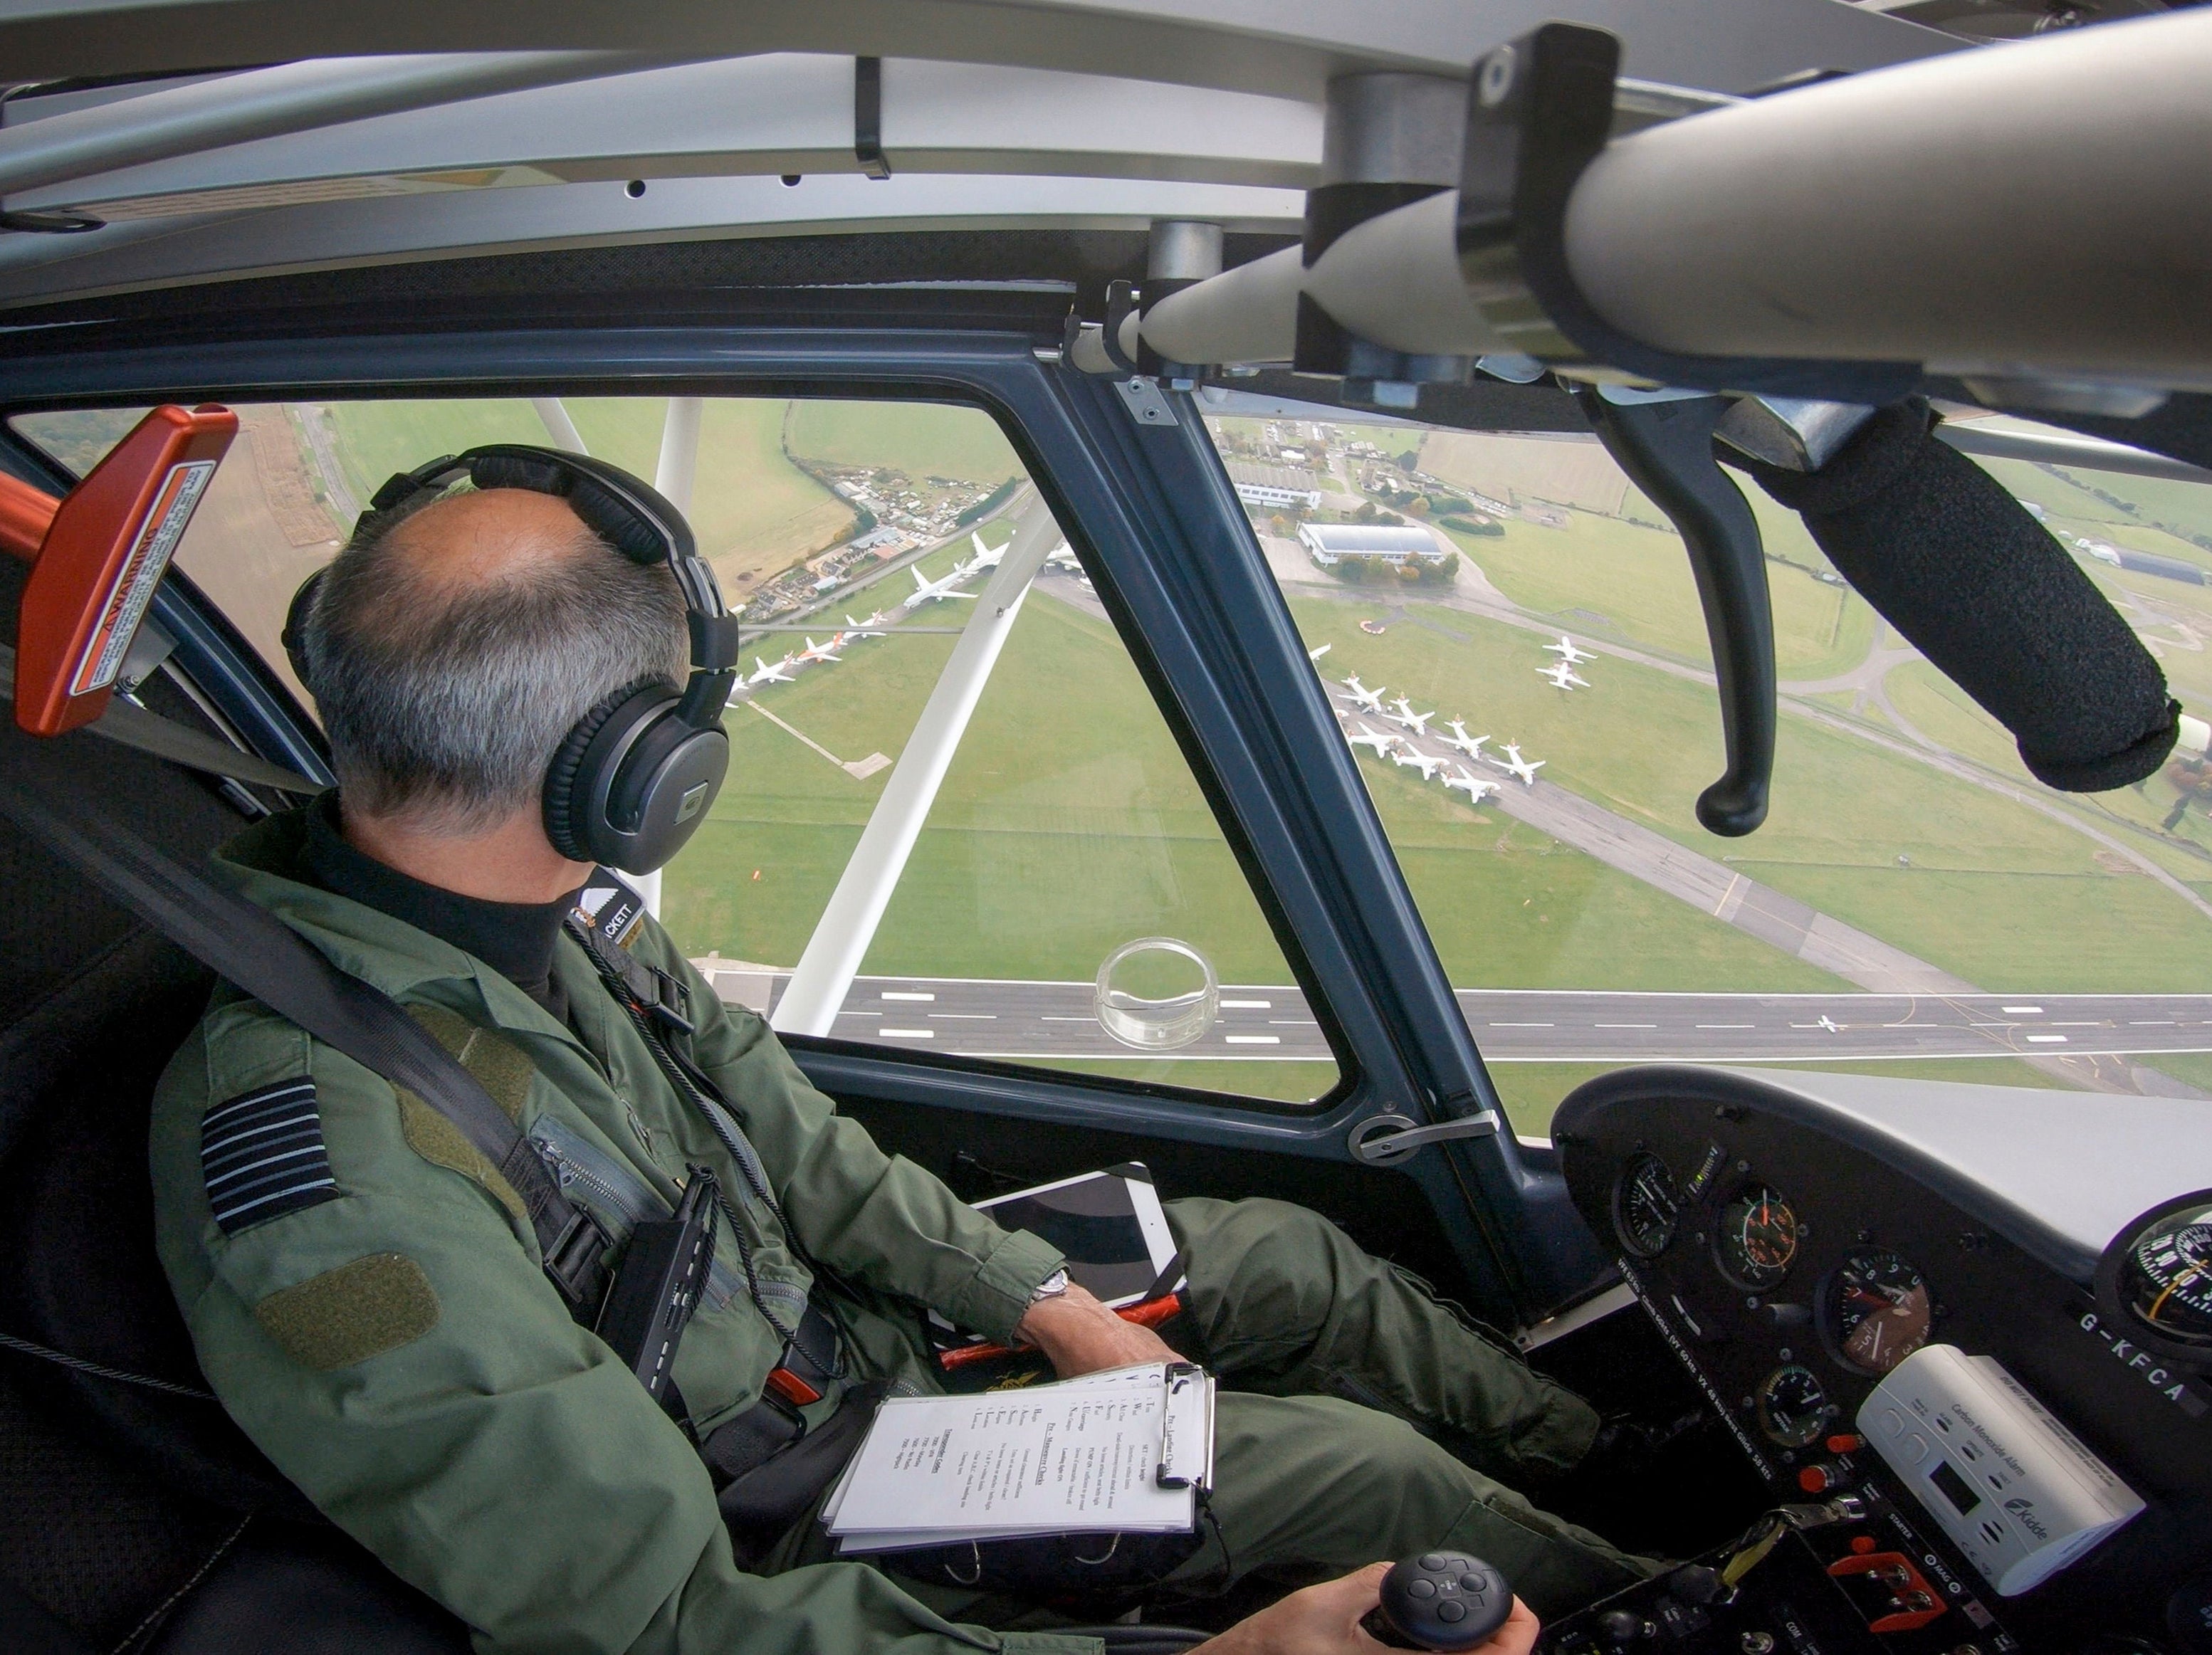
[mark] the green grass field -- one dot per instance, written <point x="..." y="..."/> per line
<point x="1995" y="893"/>
<point x="923" y="440"/>
<point x="753" y="511"/>
<point x="1606" y="578"/>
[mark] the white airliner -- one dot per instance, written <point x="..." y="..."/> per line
<point x="1466" y="781"/>
<point x="1061" y="557"/>
<point x="1459" y="740"/>
<point x="763" y="673"/>
<point x="1568" y="654"/>
<point x="1370" y="699"/>
<point x="1416" y="722"/>
<point x="1315" y="654"/>
<point x="859" y="629"/>
<point x="1561" y="676"/>
<point x="1381" y="740"/>
<point x="814" y="651"/>
<point x="986" y="557"/>
<point x="940" y="589"/>
<point x="1413" y="760"/>
<point x="1526" y="769"/>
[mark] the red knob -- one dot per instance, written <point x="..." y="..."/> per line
<point x="1846" y="1444"/>
<point x="1818" y="1479"/>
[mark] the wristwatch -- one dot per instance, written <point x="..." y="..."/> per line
<point x="1053" y="1287"/>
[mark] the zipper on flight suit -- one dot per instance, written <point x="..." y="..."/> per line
<point x="615" y="969"/>
<point x="625" y="1200"/>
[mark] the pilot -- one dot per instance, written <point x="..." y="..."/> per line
<point x="365" y="1295"/>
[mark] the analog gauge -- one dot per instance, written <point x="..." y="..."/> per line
<point x="1875" y="1312"/>
<point x="1756" y="1240"/>
<point x="2166" y="1278"/>
<point x="1645" y="1205"/>
<point x="1793" y="1409"/>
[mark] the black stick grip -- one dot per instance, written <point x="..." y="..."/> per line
<point x="1962" y="570"/>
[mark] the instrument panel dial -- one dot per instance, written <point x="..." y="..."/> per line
<point x="2166" y="1278"/>
<point x="1646" y="1206"/>
<point x="1793" y="1406"/>
<point x="1757" y="1238"/>
<point x="1875" y="1312"/>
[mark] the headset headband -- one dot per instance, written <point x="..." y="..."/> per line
<point x="630" y="515"/>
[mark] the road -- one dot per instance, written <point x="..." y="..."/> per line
<point x="1023" y="1019"/>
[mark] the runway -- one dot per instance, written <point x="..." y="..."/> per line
<point x="1029" y="1019"/>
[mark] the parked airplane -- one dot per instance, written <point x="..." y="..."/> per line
<point x="859" y="629"/>
<point x="763" y="673"/>
<point x="1568" y="654"/>
<point x="1412" y="759"/>
<point x="814" y="651"/>
<point x="986" y="557"/>
<point x="1466" y="781"/>
<point x="1315" y="654"/>
<point x="1061" y="557"/>
<point x="1370" y="699"/>
<point x="1526" y="769"/>
<point x="1459" y="739"/>
<point x="1561" y="676"/>
<point x="1416" y="722"/>
<point x="1381" y="740"/>
<point x="941" y="588"/>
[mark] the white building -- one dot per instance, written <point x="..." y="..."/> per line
<point x="1272" y="487"/>
<point x="1394" y="543"/>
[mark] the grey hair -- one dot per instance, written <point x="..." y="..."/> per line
<point x="444" y="702"/>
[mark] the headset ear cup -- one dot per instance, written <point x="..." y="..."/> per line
<point x="567" y="808"/>
<point x="294" y="635"/>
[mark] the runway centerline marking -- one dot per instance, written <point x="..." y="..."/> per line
<point x="905" y="994"/>
<point x="1247" y="1005"/>
<point x="2021" y="1011"/>
<point x="2047" y="1040"/>
<point x="907" y="1034"/>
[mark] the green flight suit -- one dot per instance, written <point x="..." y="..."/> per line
<point x="388" y="1339"/>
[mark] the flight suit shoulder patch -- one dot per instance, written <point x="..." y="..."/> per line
<point x="352" y="1312"/>
<point x="441" y="1143"/>
<point x="500" y="1066"/>
<point x="262" y="1155"/>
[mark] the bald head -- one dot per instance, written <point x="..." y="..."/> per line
<point x="484" y="537"/>
<point x="453" y="644"/>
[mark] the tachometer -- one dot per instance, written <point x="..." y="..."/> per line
<point x="1756" y="1240"/>
<point x="2166" y="1278"/>
<point x="1874" y="1312"/>
<point x="1645" y="1205"/>
<point x="1793" y="1407"/>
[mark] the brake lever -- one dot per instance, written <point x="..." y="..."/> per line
<point x="1667" y="449"/>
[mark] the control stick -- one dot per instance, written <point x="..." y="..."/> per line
<point x="1440" y="1600"/>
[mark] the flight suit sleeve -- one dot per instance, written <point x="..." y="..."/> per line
<point x="879" y="1219"/>
<point x="380" y="1328"/>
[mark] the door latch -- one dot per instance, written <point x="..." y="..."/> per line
<point x="1386" y="1140"/>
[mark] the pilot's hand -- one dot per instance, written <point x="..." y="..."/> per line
<point x="1080" y="1335"/>
<point x="1324" y="1619"/>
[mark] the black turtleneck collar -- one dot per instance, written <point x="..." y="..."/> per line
<point x="515" y="939"/>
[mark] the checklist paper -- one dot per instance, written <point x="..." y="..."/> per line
<point x="1123" y="1451"/>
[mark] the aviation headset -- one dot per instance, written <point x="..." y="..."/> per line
<point x="632" y="781"/>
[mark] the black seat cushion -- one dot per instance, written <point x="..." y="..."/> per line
<point x="78" y="1228"/>
<point x="288" y="1590"/>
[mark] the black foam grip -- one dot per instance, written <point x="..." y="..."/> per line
<point x="1957" y="566"/>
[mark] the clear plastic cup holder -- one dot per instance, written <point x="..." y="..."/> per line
<point x="1157" y="994"/>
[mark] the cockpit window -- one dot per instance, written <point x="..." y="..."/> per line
<point x="1511" y="639"/>
<point x="956" y="821"/>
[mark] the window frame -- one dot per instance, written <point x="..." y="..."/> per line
<point x="1150" y="513"/>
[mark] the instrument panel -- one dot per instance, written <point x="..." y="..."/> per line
<point x="1795" y="1241"/>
